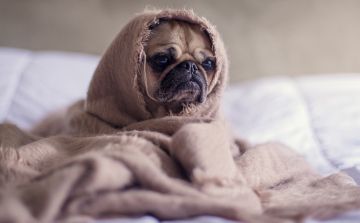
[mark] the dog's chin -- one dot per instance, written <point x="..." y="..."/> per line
<point x="187" y="92"/>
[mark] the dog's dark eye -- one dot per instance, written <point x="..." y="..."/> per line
<point x="161" y="61"/>
<point x="208" y="65"/>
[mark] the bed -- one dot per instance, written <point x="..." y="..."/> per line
<point x="316" y="115"/>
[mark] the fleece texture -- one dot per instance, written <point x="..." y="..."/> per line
<point x="106" y="156"/>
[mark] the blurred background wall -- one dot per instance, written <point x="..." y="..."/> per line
<point x="263" y="37"/>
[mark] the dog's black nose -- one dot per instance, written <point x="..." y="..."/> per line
<point x="189" y="65"/>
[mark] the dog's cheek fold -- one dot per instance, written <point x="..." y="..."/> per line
<point x="203" y="93"/>
<point x="202" y="97"/>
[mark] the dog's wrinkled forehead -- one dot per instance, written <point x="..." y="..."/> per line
<point x="178" y="38"/>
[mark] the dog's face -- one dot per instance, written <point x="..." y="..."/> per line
<point x="180" y="65"/>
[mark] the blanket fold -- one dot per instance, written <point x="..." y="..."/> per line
<point x="107" y="156"/>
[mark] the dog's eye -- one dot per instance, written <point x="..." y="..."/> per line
<point x="161" y="61"/>
<point x="208" y="65"/>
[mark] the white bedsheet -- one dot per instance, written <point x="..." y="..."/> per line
<point x="318" y="116"/>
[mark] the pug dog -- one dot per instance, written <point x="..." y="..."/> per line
<point x="180" y="66"/>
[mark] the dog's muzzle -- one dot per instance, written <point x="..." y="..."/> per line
<point x="184" y="83"/>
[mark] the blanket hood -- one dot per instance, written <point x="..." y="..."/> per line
<point x="115" y="94"/>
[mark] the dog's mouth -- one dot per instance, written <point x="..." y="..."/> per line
<point x="188" y="92"/>
<point x="183" y="84"/>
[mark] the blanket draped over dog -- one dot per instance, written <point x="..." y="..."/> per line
<point x="107" y="156"/>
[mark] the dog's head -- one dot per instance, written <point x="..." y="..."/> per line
<point x="169" y="62"/>
<point x="179" y="65"/>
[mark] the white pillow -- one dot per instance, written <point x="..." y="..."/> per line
<point x="36" y="83"/>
